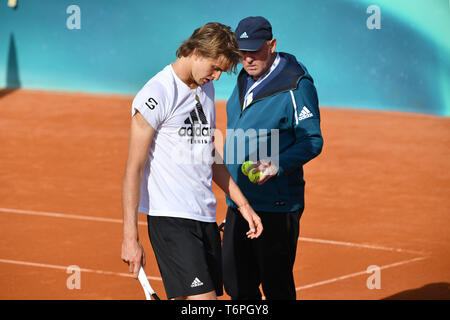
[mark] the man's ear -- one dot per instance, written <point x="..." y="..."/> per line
<point x="273" y="45"/>
<point x="195" y="53"/>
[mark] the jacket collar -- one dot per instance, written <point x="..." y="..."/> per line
<point x="286" y="79"/>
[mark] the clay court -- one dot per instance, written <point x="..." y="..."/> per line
<point x="378" y="195"/>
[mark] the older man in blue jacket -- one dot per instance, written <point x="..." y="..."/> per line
<point x="274" y="107"/>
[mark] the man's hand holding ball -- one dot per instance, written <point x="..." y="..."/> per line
<point x="259" y="172"/>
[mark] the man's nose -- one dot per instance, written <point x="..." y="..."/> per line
<point x="248" y="58"/>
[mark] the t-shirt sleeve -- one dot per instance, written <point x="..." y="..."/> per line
<point x="152" y="102"/>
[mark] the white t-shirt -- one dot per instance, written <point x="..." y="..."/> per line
<point x="178" y="174"/>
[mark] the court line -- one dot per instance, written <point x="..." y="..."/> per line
<point x="143" y="223"/>
<point x="64" y="215"/>
<point x="360" y="245"/>
<point x="52" y="266"/>
<point x="352" y="275"/>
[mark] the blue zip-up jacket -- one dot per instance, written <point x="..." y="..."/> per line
<point x="287" y="102"/>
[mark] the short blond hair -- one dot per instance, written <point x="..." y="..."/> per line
<point x="211" y="41"/>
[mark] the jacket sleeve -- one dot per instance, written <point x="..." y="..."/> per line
<point x="306" y="128"/>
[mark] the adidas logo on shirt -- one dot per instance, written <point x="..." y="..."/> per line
<point x="244" y="36"/>
<point x="304" y="114"/>
<point x="194" y="129"/>
<point x="196" y="283"/>
<point x="198" y="126"/>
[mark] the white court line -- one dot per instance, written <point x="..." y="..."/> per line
<point x="359" y="245"/>
<point x="64" y="215"/>
<point x="351" y="275"/>
<point x="52" y="266"/>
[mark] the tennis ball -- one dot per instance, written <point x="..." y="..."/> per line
<point x="254" y="177"/>
<point x="244" y="167"/>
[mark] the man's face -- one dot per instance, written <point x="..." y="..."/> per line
<point x="207" y="69"/>
<point x="256" y="63"/>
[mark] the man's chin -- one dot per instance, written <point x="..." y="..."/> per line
<point x="202" y="82"/>
<point x="253" y="72"/>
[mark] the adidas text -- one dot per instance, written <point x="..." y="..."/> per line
<point x="195" y="131"/>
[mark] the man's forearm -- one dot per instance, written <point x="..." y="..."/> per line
<point x="130" y="202"/>
<point x="300" y="153"/>
<point x="223" y="179"/>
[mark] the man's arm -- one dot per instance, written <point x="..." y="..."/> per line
<point x="308" y="137"/>
<point x="309" y="140"/>
<point x="141" y="137"/>
<point x="223" y="179"/>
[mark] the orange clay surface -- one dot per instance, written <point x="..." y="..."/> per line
<point x="378" y="195"/>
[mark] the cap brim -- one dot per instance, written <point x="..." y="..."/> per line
<point x="250" y="45"/>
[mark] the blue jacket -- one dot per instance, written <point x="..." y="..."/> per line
<point x="287" y="102"/>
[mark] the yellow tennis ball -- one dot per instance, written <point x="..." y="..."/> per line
<point x="254" y="177"/>
<point x="244" y="167"/>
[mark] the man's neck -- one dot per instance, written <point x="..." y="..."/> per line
<point x="182" y="68"/>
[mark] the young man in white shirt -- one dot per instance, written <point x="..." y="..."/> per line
<point x="170" y="168"/>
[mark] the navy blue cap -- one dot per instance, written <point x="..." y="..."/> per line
<point x="252" y="32"/>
